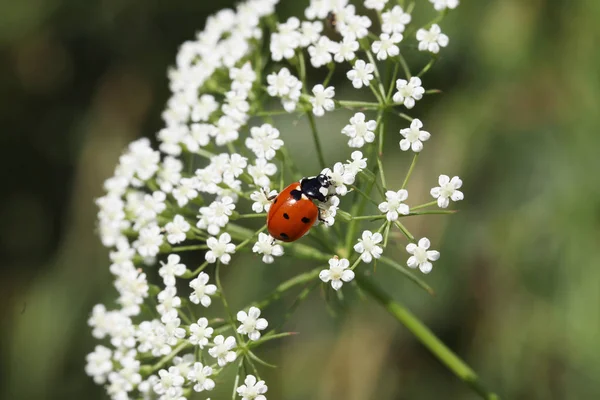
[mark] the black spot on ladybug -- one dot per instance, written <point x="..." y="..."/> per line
<point x="296" y="194"/>
<point x="286" y="216"/>
<point x="284" y="235"/>
<point x="305" y="220"/>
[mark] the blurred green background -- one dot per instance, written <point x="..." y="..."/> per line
<point x="518" y="284"/>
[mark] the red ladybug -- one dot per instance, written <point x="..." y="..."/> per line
<point x="293" y="211"/>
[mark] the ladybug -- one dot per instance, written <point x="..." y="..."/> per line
<point x="293" y="211"/>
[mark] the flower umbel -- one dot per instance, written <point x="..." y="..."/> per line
<point x="185" y="220"/>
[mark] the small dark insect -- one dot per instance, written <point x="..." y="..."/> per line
<point x="331" y="19"/>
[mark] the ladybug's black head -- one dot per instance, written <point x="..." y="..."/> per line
<point x="315" y="188"/>
<point x="324" y="180"/>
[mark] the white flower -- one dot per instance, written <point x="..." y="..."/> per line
<point x="285" y="41"/>
<point x="168" y="381"/>
<point x="220" y="249"/>
<point x="375" y="4"/>
<point x="184" y="364"/>
<point x="328" y="210"/>
<point x="99" y="364"/>
<point x="432" y="39"/>
<point x="361" y="74"/>
<point x="345" y="50"/>
<point x="251" y="324"/>
<point x="282" y="46"/>
<point x="185" y="191"/>
<point x="441" y="5"/>
<point x="393" y="206"/>
<point x="421" y="257"/>
<point x="233" y="167"/>
<point x="227" y="130"/>
<point x="168" y="300"/>
<point x="414" y="136"/>
<point x="177" y="229"/>
<point x="200" y="332"/>
<point x="200" y="375"/>
<point x="236" y="106"/>
<point x="172" y="268"/>
<point x="408" y="91"/>
<point x="447" y="190"/>
<point x="320" y="52"/>
<point x="242" y="78"/>
<point x="262" y="200"/>
<point x="339" y="177"/>
<point x="266" y="246"/>
<point x="337" y="273"/>
<point x="280" y="83"/>
<point x="357" y="164"/>
<point x="310" y="32"/>
<point x="169" y="174"/>
<point x="216" y="216"/>
<point x="264" y="141"/>
<point x="203" y="108"/>
<point x="201" y="290"/>
<point x="367" y="246"/>
<point x="150" y="206"/>
<point x="395" y="20"/>
<point x="386" y="45"/>
<point x="359" y="130"/>
<point x="170" y="331"/>
<point x="222" y="350"/>
<point x="354" y="26"/>
<point x="322" y="100"/>
<point x="252" y="390"/>
<point x="261" y="171"/>
<point x="149" y="241"/>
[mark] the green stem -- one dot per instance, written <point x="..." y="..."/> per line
<point x="405" y="231"/>
<point x="410" y="170"/>
<point x="358" y="104"/>
<point x="287" y="285"/>
<point x="426" y="337"/>
<point x="404" y="66"/>
<point x="392" y="83"/>
<point x="431" y="203"/>
<point x="189" y="248"/>
<point x="315" y="134"/>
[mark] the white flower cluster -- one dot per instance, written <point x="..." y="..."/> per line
<point x="216" y="157"/>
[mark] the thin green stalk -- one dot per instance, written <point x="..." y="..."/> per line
<point x="287" y="285"/>
<point x="405" y="231"/>
<point x="364" y="195"/>
<point x="178" y="249"/>
<point x="431" y="212"/>
<point x="392" y="82"/>
<point x="357" y="104"/>
<point x="406" y="272"/>
<point x="331" y="67"/>
<point x="410" y="170"/>
<point x="245" y="242"/>
<point x="370" y="217"/>
<point x="427" y="67"/>
<point x="404" y="66"/>
<point x="431" y="203"/>
<point x="426" y="337"/>
<point x="225" y="304"/>
<point x="315" y="134"/>
<point x="253" y="215"/>
<point x="377" y="74"/>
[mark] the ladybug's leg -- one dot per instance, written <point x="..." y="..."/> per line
<point x="266" y="193"/>
<point x="321" y="219"/>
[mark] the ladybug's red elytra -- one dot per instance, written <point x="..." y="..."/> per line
<point x="293" y="211"/>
